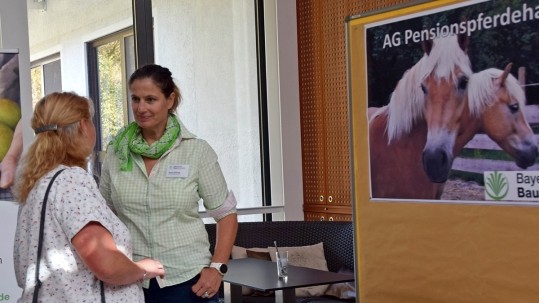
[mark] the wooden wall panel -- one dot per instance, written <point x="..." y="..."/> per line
<point x="336" y="103"/>
<point x="325" y="125"/>
<point x="311" y="105"/>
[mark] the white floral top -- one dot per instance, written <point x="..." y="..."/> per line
<point x="74" y="201"/>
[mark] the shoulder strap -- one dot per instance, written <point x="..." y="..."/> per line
<point x="40" y="244"/>
<point x="102" y="291"/>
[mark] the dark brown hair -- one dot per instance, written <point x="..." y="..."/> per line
<point x="162" y="77"/>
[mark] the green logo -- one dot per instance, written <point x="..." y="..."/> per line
<point x="496" y="186"/>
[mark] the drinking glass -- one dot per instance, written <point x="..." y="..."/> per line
<point x="282" y="264"/>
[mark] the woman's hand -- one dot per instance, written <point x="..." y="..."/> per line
<point x="11" y="159"/>
<point x="208" y="284"/>
<point x="210" y="278"/>
<point x="152" y="268"/>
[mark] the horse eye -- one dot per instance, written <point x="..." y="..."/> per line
<point x="514" y="108"/>
<point x="463" y="83"/>
<point x="424" y="88"/>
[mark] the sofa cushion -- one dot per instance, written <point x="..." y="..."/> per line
<point x="262" y="255"/>
<point x="239" y="252"/>
<point x="343" y="290"/>
<point x="311" y="256"/>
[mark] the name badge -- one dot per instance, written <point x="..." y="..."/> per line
<point x="177" y="171"/>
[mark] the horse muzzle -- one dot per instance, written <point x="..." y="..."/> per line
<point x="525" y="157"/>
<point x="437" y="164"/>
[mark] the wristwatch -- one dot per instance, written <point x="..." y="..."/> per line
<point x="221" y="267"/>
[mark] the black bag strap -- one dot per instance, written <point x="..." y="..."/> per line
<point x="40" y="243"/>
<point x="102" y="291"/>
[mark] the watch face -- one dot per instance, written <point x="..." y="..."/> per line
<point x="223" y="268"/>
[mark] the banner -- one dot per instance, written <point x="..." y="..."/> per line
<point x="443" y="110"/>
<point x="10" y="114"/>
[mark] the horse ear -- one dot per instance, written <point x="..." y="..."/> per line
<point x="507" y="70"/>
<point x="426" y="45"/>
<point x="463" y="40"/>
<point x="505" y="73"/>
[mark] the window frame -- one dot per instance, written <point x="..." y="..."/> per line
<point x="41" y="63"/>
<point x="93" y="79"/>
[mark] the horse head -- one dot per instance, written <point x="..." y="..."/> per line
<point x="498" y="99"/>
<point x="433" y="91"/>
<point x="444" y="81"/>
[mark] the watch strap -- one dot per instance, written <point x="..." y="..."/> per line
<point x="217" y="266"/>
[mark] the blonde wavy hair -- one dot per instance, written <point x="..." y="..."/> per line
<point x="50" y="148"/>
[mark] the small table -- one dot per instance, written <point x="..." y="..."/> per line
<point x="262" y="275"/>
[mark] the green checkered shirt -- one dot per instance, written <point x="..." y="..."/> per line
<point x="161" y="210"/>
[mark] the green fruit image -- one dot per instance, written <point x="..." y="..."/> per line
<point x="6" y="136"/>
<point x="10" y="112"/>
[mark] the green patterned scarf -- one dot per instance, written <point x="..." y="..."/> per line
<point x="130" y="138"/>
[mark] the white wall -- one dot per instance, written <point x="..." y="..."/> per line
<point x="211" y="51"/>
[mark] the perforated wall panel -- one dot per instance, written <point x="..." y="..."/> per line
<point x="323" y="97"/>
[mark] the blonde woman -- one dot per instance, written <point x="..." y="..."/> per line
<point x="83" y="241"/>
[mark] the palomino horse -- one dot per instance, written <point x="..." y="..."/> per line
<point x="433" y="90"/>
<point x="430" y="99"/>
<point x="496" y="99"/>
<point x="494" y="105"/>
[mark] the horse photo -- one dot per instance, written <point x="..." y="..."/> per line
<point x="449" y="110"/>
<point x="494" y="105"/>
<point x="412" y="141"/>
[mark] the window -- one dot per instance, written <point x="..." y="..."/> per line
<point x="110" y="62"/>
<point x="46" y="77"/>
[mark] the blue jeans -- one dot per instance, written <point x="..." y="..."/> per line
<point x="179" y="293"/>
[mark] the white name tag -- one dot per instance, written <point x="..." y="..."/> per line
<point x="177" y="171"/>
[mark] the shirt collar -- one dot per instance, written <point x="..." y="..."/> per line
<point x="185" y="133"/>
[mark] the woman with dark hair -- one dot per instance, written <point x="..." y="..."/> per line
<point x="154" y="174"/>
<point x="83" y="242"/>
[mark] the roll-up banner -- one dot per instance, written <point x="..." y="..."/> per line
<point x="444" y="101"/>
<point x="10" y="114"/>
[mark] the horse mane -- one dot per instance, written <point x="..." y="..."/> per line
<point x="374" y="112"/>
<point x="482" y="90"/>
<point x="408" y="100"/>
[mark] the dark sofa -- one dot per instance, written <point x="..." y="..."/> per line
<point x="338" y="239"/>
